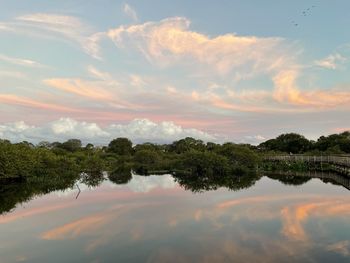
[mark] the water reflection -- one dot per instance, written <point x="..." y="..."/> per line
<point x="131" y="218"/>
<point x="298" y="178"/>
<point x="120" y="175"/>
<point x="203" y="183"/>
<point x="17" y="192"/>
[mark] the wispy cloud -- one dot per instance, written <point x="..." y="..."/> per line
<point x="105" y="89"/>
<point x="130" y="12"/>
<point x="20" y="61"/>
<point x="80" y="88"/>
<point x="12" y="99"/>
<point x="342" y="247"/>
<point x="55" y="25"/>
<point x="12" y="74"/>
<point x="76" y="228"/>
<point x="333" y="61"/>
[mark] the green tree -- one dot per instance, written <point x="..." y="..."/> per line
<point x="206" y="162"/>
<point x="187" y="144"/>
<point x="239" y="155"/>
<point x="72" y="145"/>
<point x="289" y="143"/>
<point x="334" y="143"/>
<point x="121" y="146"/>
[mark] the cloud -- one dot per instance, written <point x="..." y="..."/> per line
<point x="11" y="99"/>
<point x="145" y="130"/>
<point x="20" y="214"/>
<point x="287" y="90"/>
<point x="253" y="139"/>
<point x="104" y="89"/>
<point x="293" y="217"/>
<point x="100" y="75"/>
<point x="12" y="74"/>
<point x="141" y="184"/>
<point x="170" y="41"/>
<point x="333" y="61"/>
<point x="80" y="88"/>
<point x="138" y="130"/>
<point x="75" y="228"/>
<point x="56" y="25"/>
<point x="72" y="128"/>
<point x="340" y="129"/>
<point x="5" y="27"/>
<point x="342" y="247"/>
<point x="20" y="61"/>
<point x="70" y="27"/>
<point x="61" y="129"/>
<point x="130" y="12"/>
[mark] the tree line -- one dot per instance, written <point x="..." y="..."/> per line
<point x="298" y="144"/>
<point x="186" y="156"/>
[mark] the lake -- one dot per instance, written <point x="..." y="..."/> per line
<point x="160" y="218"/>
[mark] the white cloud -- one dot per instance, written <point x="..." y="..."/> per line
<point x="142" y="184"/>
<point x="20" y="61"/>
<point x="138" y="130"/>
<point x="130" y="12"/>
<point x="60" y="130"/>
<point x="142" y="130"/>
<point x="71" y="128"/>
<point x="333" y="61"/>
<point x="16" y="131"/>
<point x="254" y="139"/>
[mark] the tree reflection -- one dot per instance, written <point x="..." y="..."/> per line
<point x="298" y="178"/>
<point x="211" y="182"/>
<point x="17" y="192"/>
<point x="92" y="179"/>
<point x="289" y="179"/>
<point x="120" y="175"/>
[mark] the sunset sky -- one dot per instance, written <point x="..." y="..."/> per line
<point x="157" y="70"/>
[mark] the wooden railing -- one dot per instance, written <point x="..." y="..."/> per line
<point x="340" y="160"/>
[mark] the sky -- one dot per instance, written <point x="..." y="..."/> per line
<point x="158" y="70"/>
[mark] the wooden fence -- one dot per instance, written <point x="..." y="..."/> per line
<point x="339" y="160"/>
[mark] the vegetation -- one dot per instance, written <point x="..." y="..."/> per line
<point x="38" y="169"/>
<point x="290" y="143"/>
<point x="25" y="160"/>
<point x="298" y="144"/>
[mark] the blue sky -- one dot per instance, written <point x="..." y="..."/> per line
<point x="160" y="70"/>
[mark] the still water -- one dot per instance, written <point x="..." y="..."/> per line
<point x="163" y="219"/>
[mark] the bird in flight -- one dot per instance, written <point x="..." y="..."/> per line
<point x="304" y="13"/>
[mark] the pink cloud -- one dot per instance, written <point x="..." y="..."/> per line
<point x="27" y="102"/>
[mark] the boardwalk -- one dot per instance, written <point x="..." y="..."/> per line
<point x="339" y="163"/>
